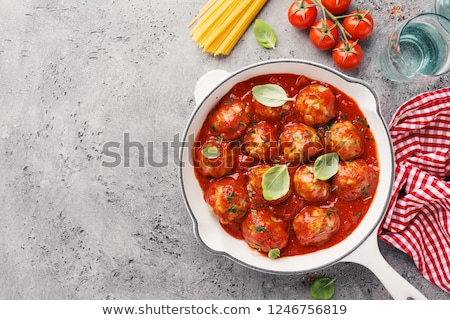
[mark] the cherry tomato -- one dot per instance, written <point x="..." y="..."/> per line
<point x="347" y="55"/>
<point x="359" y="24"/>
<point x="336" y="6"/>
<point x="302" y="14"/>
<point x="324" y="34"/>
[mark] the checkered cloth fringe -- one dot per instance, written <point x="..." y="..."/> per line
<point x="417" y="221"/>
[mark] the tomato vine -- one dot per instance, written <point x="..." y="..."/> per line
<point x="353" y="27"/>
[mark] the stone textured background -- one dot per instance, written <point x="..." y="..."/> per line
<point x="77" y="74"/>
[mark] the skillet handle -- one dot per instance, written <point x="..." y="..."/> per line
<point x="368" y="254"/>
<point x="207" y="82"/>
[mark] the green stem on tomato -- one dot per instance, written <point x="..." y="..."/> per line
<point x="358" y="13"/>
<point x="334" y="19"/>
<point x="344" y="16"/>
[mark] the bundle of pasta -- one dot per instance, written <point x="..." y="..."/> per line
<point x="221" y="23"/>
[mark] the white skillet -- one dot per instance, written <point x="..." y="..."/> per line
<point x="360" y="247"/>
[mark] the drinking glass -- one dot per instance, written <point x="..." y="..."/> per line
<point x="442" y="7"/>
<point x="418" y="49"/>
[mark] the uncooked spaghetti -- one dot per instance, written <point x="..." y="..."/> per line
<point x="221" y="23"/>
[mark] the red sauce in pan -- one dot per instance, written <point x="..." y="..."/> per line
<point x="350" y="212"/>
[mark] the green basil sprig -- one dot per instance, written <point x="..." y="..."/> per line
<point x="270" y="95"/>
<point x="326" y="166"/>
<point x="275" y="182"/>
<point x="274" y="253"/>
<point x="264" y="34"/>
<point x="211" y="152"/>
<point x="322" y="288"/>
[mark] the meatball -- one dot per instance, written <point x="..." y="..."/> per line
<point x="264" y="232"/>
<point x="254" y="188"/>
<point x="315" y="104"/>
<point x="299" y="142"/>
<point x="271" y="113"/>
<point x="215" y="158"/>
<point x="261" y="141"/>
<point x="354" y="179"/>
<point x="230" y="119"/>
<point x="309" y="188"/>
<point x="228" y="200"/>
<point x="344" y="139"/>
<point x="315" y="225"/>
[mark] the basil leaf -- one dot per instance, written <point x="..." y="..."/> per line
<point x="274" y="253"/>
<point x="264" y="34"/>
<point x="326" y="166"/>
<point x="322" y="288"/>
<point x="211" y="152"/>
<point x="270" y="95"/>
<point x="275" y="182"/>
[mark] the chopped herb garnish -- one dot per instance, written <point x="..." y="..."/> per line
<point x="231" y="196"/>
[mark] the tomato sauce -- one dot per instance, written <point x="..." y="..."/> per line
<point x="350" y="212"/>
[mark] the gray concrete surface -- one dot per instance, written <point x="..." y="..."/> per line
<point x="75" y="75"/>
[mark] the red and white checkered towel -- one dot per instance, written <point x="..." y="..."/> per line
<point x="417" y="221"/>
